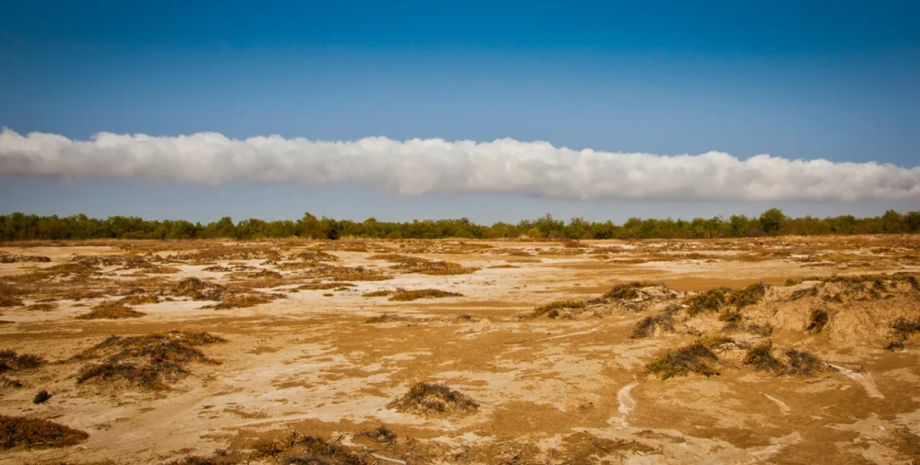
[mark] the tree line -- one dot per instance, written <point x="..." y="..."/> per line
<point x="19" y="226"/>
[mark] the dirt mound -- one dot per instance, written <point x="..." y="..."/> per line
<point x="31" y="433"/>
<point x="148" y="361"/>
<point x="433" y="399"/>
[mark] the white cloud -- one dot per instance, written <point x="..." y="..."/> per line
<point x="422" y="166"/>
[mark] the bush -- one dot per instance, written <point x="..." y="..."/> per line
<point x="29" y="433"/>
<point x="802" y="363"/>
<point x="11" y="361"/>
<point x="405" y="296"/>
<point x="816" y="322"/>
<point x="762" y="359"/>
<point x="552" y="309"/>
<point x="694" y="358"/>
<point x="431" y="398"/>
<point x="709" y="301"/>
<point x="648" y="325"/>
<point x="628" y="291"/>
<point x="903" y="329"/>
<point x="110" y="310"/>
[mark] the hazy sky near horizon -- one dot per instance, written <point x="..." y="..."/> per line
<point x="833" y="80"/>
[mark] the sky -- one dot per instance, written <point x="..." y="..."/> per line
<point x="598" y="103"/>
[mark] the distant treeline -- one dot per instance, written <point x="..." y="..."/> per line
<point x="773" y="222"/>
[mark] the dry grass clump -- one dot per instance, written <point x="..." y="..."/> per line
<point x="11" y="361"/>
<point x="765" y="329"/>
<point x="817" y="321"/>
<point x="802" y="363"/>
<point x="762" y="359"/>
<point x="9" y="295"/>
<point x="300" y="449"/>
<point x="903" y="329"/>
<point x="628" y="291"/>
<point x="499" y="267"/>
<point x="10" y="258"/>
<point x="708" y="301"/>
<point x="148" y="361"/>
<point x="239" y="252"/>
<point x="697" y="357"/>
<point x="380" y="293"/>
<point x="398" y="258"/>
<point x="31" y="433"/>
<point x="42" y="307"/>
<point x="554" y="309"/>
<point x="746" y="296"/>
<point x="381" y="435"/>
<point x="314" y="256"/>
<point x="197" y="289"/>
<point x="663" y="322"/>
<point x="242" y="301"/>
<point x="220" y="457"/>
<point x="406" y="296"/>
<point x="348" y="273"/>
<point x="324" y="286"/>
<point x="110" y="310"/>
<point x="385" y="318"/>
<point x="433" y="399"/>
<point x="436" y="268"/>
<point x="139" y="299"/>
<point x="802" y="293"/>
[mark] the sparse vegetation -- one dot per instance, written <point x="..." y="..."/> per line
<point x="381" y="434"/>
<point x="816" y="322"/>
<point x="31" y="433"/>
<point x="11" y="361"/>
<point x="709" y="301"/>
<point x="802" y="363"/>
<point x="406" y="296"/>
<point x="110" y="310"/>
<point x="628" y="291"/>
<point x="553" y="309"/>
<point x="762" y="359"/>
<point x="301" y="449"/>
<point x="434" y="268"/>
<point x="433" y="399"/>
<point x="903" y="329"/>
<point x="380" y="293"/>
<point x="697" y="357"/>
<point x="663" y="322"/>
<point x="42" y="307"/>
<point x="746" y="296"/>
<point x="149" y="361"/>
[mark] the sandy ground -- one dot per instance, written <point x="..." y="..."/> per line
<point x="549" y="390"/>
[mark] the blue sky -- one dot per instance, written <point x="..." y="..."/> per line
<point x="801" y="80"/>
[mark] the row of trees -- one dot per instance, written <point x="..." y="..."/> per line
<point x="18" y="226"/>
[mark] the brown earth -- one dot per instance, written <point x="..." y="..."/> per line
<point x="303" y="356"/>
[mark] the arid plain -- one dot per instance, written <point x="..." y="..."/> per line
<point x="766" y="350"/>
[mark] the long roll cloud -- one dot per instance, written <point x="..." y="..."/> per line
<point x="421" y="166"/>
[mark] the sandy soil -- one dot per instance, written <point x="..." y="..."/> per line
<point x="549" y="390"/>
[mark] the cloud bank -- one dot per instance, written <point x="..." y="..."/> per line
<point x="436" y="166"/>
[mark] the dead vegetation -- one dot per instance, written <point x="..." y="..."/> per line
<point x="10" y="361"/>
<point x="797" y="363"/>
<point x="697" y="357"/>
<point x="435" y="268"/>
<point x="110" y="310"/>
<point x="713" y="300"/>
<point x="18" y="258"/>
<point x="150" y="361"/>
<point x="301" y="449"/>
<point x="433" y="399"/>
<point x="32" y="433"/>
<point x="628" y="291"/>
<point x="902" y="330"/>
<point x="817" y="321"/>
<point x="650" y="325"/>
<point x="381" y="435"/>
<point x="380" y="293"/>
<point x="42" y="307"/>
<point x="558" y="309"/>
<point x="402" y="295"/>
